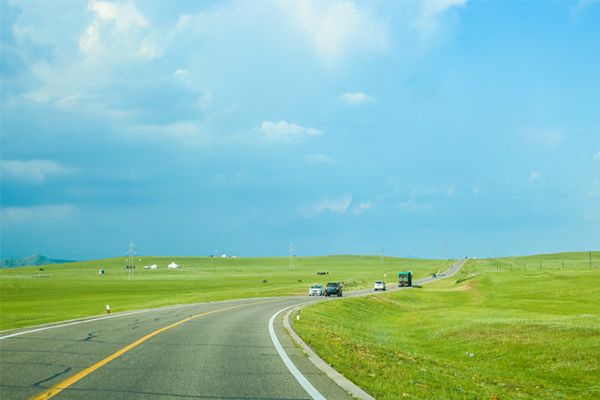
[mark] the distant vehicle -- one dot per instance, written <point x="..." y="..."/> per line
<point x="379" y="285"/>
<point x="405" y="278"/>
<point x="316" y="290"/>
<point x="333" y="288"/>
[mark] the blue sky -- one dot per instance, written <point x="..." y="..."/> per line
<point x="240" y="127"/>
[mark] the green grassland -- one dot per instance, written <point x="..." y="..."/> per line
<point x="512" y="328"/>
<point x="30" y="296"/>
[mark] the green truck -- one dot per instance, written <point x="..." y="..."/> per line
<point x="405" y="278"/>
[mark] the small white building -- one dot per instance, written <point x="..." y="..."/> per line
<point x="173" y="266"/>
<point x="153" y="266"/>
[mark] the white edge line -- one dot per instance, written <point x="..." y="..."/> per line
<point x="310" y="389"/>
<point x="99" y="318"/>
<point x="91" y="319"/>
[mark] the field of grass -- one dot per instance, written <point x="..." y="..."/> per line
<point x="38" y="295"/>
<point x="500" y="329"/>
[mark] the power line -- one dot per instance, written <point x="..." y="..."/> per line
<point x="130" y="266"/>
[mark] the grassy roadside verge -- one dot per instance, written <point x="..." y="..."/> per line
<point x="30" y="296"/>
<point x="487" y="333"/>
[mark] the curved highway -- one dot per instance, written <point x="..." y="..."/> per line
<point x="224" y="350"/>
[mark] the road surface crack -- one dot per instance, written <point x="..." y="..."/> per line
<point x="52" y="377"/>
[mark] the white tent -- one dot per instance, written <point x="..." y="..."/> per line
<point x="153" y="266"/>
<point x="173" y="265"/>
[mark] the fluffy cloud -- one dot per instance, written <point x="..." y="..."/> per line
<point x="124" y="15"/>
<point x="116" y="21"/>
<point x="428" y="21"/>
<point x="339" y="205"/>
<point x="597" y="156"/>
<point x="31" y="172"/>
<point x="118" y="35"/>
<point x="357" y="99"/>
<point x="338" y="29"/>
<point x="362" y="207"/>
<point x="179" y="133"/>
<point x="36" y="214"/>
<point x="286" y="132"/>
<point x="534" y="175"/>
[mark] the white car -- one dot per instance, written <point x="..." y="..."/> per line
<point x="379" y="285"/>
<point x="316" y="290"/>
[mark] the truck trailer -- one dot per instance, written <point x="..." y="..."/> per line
<point x="405" y="278"/>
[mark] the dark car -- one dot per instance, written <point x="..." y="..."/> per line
<point x="333" y="288"/>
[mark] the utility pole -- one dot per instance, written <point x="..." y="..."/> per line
<point x="382" y="255"/>
<point x="130" y="263"/>
<point x="291" y="256"/>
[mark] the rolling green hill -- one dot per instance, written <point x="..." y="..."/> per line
<point x="31" y="261"/>
<point x="511" y="328"/>
<point x="29" y="296"/>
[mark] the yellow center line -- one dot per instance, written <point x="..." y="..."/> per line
<point x="54" y="390"/>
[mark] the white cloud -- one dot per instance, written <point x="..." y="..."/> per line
<point x="545" y="138"/>
<point x="90" y="40"/>
<point x="148" y="50"/>
<point x="181" y="72"/>
<point x="534" y="175"/>
<point x="116" y="29"/>
<point x="362" y="207"/>
<point x="338" y="29"/>
<point x="339" y="205"/>
<point x="186" y="133"/>
<point x="431" y="10"/>
<point x="597" y="156"/>
<point x="125" y="15"/>
<point x="409" y="205"/>
<point x="31" y="172"/>
<point x="36" y="214"/>
<point x="357" y="99"/>
<point x="286" y="132"/>
<point x="117" y="35"/>
<point x="595" y="191"/>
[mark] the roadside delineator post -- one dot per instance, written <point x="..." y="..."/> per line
<point x="107" y="309"/>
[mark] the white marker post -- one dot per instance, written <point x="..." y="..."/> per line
<point x="107" y="309"/>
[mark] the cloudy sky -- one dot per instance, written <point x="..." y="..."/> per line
<point x="470" y="128"/>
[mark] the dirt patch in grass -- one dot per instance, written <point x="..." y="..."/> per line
<point x="464" y="288"/>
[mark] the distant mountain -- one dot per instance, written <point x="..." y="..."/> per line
<point x="31" y="261"/>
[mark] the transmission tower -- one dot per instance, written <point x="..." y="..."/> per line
<point x="382" y="255"/>
<point x="131" y="253"/>
<point x="291" y="256"/>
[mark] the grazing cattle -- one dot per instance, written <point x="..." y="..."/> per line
<point x="299" y="280"/>
<point x="264" y="281"/>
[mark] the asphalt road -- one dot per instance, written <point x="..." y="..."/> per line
<point x="221" y="350"/>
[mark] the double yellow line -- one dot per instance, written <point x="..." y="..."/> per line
<point x="54" y="390"/>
